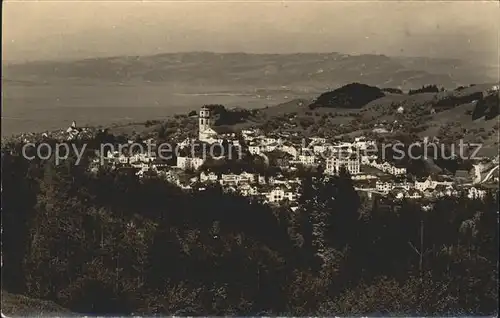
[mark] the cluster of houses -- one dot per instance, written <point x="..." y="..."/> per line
<point x="135" y="160"/>
<point x="190" y="163"/>
<point x="386" y="166"/>
<point x="428" y="188"/>
<point x="317" y="151"/>
<point x="272" y="190"/>
<point x="73" y="132"/>
<point x="288" y="151"/>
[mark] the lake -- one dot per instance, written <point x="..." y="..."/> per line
<point x="41" y="107"/>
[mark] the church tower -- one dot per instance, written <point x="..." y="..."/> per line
<point x="204" y="121"/>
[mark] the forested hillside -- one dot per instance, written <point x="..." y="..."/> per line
<point x="113" y="244"/>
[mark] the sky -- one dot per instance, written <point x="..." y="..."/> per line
<point x="54" y="30"/>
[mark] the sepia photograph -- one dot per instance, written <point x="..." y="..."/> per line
<point x="250" y="158"/>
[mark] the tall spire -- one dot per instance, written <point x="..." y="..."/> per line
<point x="204" y="121"/>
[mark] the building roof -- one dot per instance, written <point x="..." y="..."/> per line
<point x="210" y="131"/>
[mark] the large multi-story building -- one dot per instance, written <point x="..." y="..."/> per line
<point x="187" y="163"/>
<point x="350" y="162"/>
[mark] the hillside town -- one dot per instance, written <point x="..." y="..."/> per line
<point x="272" y="159"/>
<point x="290" y="154"/>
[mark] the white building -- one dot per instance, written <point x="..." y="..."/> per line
<point x="427" y="184"/>
<point x="243" y="178"/>
<point x="270" y="140"/>
<point x="248" y="190"/>
<point x="362" y="143"/>
<point x="384" y="187"/>
<point x="247" y="177"/>
<point x="73" y="131"/>
<point x="475" y="193"/>
<point x="261" y="179"/>
<point x="351" y="163"/>
<point x="446" y="191"/>
<point x="364" y="177"/>
<point x="142" y="158"/>
<point x="186" y="163"/>
<point x="397" y="171"/>
<point x="281" y="193"/>
<point x="319" y="149"/>
<point x="342" y="148"/>
<point x="208" y="177"/>
<point x="254" y="149"/>
<point x="414" y="194"/>
<point x="386" y="167"/>
<point x="431" y="184"/>
<point x="319" y="140"/>
<point x="307" y="160"/>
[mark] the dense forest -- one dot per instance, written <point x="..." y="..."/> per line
<point x="110" y="243"/>
<point x="350" y="96"/>
<point x="425" y="89"/>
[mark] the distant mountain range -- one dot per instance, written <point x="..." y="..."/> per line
<point x="310" y="70"/>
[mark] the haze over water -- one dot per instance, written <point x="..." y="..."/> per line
<point x="70" y="30"/>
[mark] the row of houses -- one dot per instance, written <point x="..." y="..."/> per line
<point x="426" y="188"/>
<point x="384" y="166"/>
<point x="245" y="178"/>
<point x="275" y="194"/>
<point x="428" y="183"/>
<point x="438" y="192"/>
<point x="272" y="190"/>
<point x="119" y="157"/>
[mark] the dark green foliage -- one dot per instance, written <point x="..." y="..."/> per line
<point x="228" y="117"/>
<point x="354" y="96"/>
<point x="452" y="101"/>
<point x="424" y="89"/>
<point x="480" y="109"/>
<point x="492" y="103"/>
